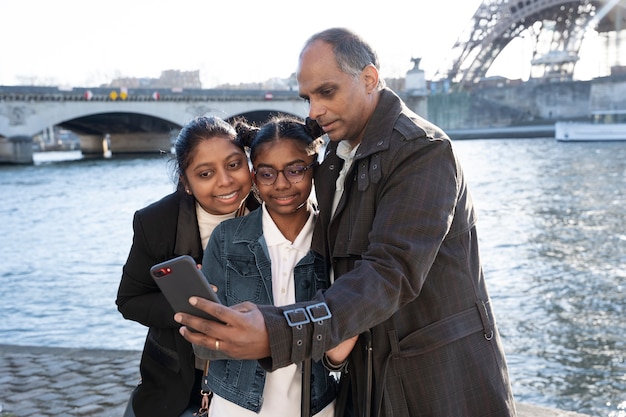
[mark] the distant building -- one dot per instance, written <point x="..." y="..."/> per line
<point x="168" y="79"/>
<point x="179" y="79"/>
<point x="175" y="79"/>
<point x="275" y="83"/>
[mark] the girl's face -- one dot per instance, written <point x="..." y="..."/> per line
<point x="218" y="175"/>
<point x="286" y="163"/>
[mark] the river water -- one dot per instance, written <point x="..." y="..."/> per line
<point x="552" y="230"/>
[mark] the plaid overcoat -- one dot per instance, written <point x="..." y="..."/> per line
<point x="403" y="246"/>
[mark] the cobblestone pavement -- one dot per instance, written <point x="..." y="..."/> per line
<point x="61" y="382"/>
<point x="37" y="381"/>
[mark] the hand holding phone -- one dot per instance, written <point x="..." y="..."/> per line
<point x="179" y="279"/>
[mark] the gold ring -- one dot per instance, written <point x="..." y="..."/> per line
<point x="217" y="344"/>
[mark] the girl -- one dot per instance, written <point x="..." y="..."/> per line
<point x="265" y="258"/>
<point x="213" y="184"/>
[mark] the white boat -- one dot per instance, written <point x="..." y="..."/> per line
<point x="607" y="125"/>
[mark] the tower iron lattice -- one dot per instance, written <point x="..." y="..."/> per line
<point x="556" y="28"/>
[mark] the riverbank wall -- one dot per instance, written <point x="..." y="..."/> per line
<point x="501" y="108"/>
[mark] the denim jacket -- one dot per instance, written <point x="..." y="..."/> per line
<point x="236" y="260"/>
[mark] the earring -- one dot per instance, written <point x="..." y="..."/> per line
<point x="188" y="191"/>
<point x="256" y="193"/>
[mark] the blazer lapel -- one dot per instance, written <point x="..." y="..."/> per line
<point x="187" y="243"/>
<point x="326" y="175"/>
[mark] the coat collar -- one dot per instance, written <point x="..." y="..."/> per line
<point x="391" y="114"/>
<point x="377" y="135"/>
<point x="187" y="243"/>
<point x="250" y="228"/>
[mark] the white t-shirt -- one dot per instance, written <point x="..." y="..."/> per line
<point x="207" y="222"/>
<point x="283" y="387"/>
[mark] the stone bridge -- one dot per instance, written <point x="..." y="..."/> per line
<point x="124" y="121"/>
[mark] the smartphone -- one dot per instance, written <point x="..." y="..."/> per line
<point x="179" y="279"/>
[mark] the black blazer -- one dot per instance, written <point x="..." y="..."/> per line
<point x="163" y="230"/>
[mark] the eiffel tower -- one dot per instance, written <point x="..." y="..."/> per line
<point x="556" y="28"/>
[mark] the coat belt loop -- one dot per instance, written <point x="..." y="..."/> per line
<point x="484" y="317"/>
<point x="367" y="338"/>
<point x="306" y="388"/>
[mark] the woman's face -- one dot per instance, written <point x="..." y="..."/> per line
<point x="283" y="160"/>
<point x="218" y="175"/>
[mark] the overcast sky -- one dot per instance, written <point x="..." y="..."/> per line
<point x="87" y="43"/>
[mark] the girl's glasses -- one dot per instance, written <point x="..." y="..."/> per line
<point x="294" y="173"/>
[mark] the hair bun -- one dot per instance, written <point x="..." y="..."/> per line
<point x="314" y="129"/>
<point x="245" y="133"/>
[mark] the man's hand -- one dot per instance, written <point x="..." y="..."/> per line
<point x="242" y="335"/>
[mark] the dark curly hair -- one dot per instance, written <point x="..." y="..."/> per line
<point x="282" y="126"/>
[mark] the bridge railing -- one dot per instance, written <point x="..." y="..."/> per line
<point x="37" y="93"/>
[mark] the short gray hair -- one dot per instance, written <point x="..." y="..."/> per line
<point x="352" y="53"/>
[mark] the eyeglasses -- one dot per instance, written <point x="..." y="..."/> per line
<point x="294" y="173"/>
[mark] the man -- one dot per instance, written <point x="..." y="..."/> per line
<point x="398" y="228"/>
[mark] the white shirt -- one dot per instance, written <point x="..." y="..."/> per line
<point x="283" y="387"/>
<point x="346" y="152"/>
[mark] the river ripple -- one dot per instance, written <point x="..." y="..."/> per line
<point x="551" y="227"/>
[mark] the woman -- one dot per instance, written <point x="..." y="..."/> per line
<point x="265" y="258"/>
<point x="213" y="185"/>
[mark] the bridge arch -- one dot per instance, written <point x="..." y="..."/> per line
<point x="135" y="124"/>
<point x="29" y="110"/>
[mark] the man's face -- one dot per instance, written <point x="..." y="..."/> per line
<point x="339" y="102"/>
